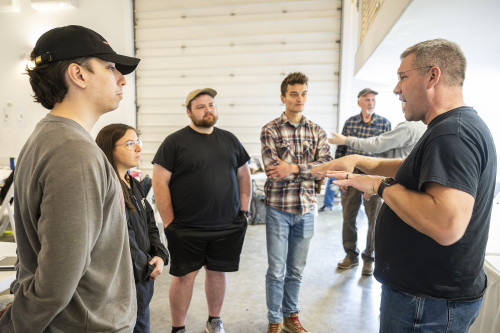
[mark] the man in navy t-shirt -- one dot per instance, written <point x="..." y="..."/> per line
<point x="432" y="230"/>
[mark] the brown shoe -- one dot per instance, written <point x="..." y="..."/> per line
<point x="293" y="325"/>
<point x="274" y="328"/>
<point x="348" y="263"/>
<point x="367" y="268"/>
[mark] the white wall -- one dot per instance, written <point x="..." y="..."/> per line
<point x="472" y="24"/>
<point x="113" y="19"/>
<point x="356" y="55"/>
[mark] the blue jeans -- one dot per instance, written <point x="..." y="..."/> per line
<point x="142" y="324"/>
<point x="404" y="313"/>
<point x="329" y="194"/>
<point x="288" y="237"/>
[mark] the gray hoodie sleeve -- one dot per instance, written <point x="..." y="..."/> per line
<point x="69" y="223"/>
<point x="405" y="134"/>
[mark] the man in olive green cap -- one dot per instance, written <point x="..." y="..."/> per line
<point x="201" y="182"/>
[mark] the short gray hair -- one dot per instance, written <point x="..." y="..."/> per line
<point x="441" y="53"/>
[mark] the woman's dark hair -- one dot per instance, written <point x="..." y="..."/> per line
<point x="106" y="140"/>
<point x="48" y="80"/>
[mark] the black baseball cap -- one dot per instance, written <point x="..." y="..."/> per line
<point x="74" y="41"/>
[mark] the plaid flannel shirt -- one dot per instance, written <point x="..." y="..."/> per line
<point x="306" y="146"/>
<point x="355" y="126"/>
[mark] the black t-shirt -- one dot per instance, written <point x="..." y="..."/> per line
<point x="204" y="185"/>
<point x="456" y="151"/>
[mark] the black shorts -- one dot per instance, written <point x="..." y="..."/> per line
<point x="192" y="248"/>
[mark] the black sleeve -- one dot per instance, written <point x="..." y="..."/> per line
<point x="243" y="156"/>
<point x="157" y="247"/>
<point x="165" y="155"/>
<point x="452" y="161"/>
<point x="140" y="260"/>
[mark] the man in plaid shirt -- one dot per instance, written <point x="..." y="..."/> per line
<point x="363" y="125"/>
<point x="291" y="146"/>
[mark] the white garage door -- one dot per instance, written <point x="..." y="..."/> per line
<point x="243" y="49"/>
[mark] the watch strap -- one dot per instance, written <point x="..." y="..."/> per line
<point x="385" y="183"/>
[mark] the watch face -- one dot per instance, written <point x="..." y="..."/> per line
<point x="389" y="181"/>
<point x="385" y="183"/>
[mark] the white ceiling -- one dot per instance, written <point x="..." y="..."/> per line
<point x="473" y="24"/>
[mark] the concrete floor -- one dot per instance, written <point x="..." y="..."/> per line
<point x="331" y="300"/>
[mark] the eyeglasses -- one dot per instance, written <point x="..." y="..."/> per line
<point x="401" y="78"/>
<point x="131" y="144"/>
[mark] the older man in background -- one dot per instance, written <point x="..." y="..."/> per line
<point x="366" y="124"/>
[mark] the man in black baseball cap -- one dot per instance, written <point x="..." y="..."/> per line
<point x="75" y="268"/>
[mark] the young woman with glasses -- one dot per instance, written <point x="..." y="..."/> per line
<point x="120" y="144"/>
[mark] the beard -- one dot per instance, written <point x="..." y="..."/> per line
<point x="205" y="122"/>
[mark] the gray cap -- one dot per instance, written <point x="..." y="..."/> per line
<point x="367" y="91"/>
<point x="192" y="95"/>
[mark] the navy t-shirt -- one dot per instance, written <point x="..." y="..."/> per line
<point x="456" y="151"/>
<point x="204" y="185"/>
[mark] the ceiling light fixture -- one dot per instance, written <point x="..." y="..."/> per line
<point x="44" y="5"/>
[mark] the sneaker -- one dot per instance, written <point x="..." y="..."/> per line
<point x="182" y="331"/>
<point x="367" y="268"/>
<point x="274" y="328"/>
<point x="215" y="326"/>
<point x="348" y="263"/>
<point x="325" y="209"/>
<point x="293" y="325"/>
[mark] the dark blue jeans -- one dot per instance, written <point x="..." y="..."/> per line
<point x="142" y="323"/>
<point x="404" y="313"/>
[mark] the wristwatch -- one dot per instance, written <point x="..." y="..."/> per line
<point x="385" y="183"/>
<point x="242" y="217"/>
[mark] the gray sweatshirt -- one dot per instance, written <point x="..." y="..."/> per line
<point x="397" y="143"/>
<point x="75" y="272"/>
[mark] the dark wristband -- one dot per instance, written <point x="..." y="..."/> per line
<point x="386" y="182"/>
